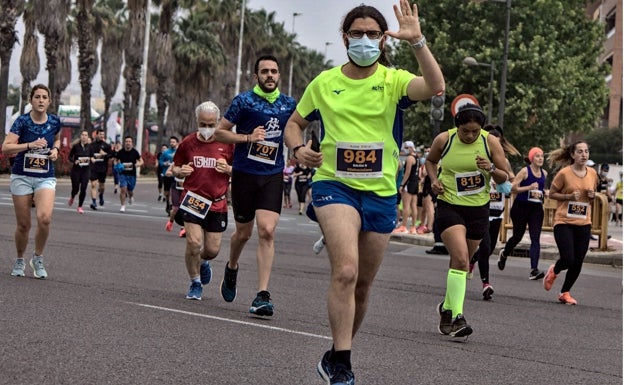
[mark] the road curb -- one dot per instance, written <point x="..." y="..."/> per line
<point x="548" y="252"/>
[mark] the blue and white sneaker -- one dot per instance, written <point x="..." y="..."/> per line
<point x="205" y="273"/>
<point x="342" y="376"/>
<point x="262" y="304"/>
<point x="39" y="271"/>
<point x="325" y="367"/>
<point x="195" y="291"/>
<point x="228" y="285"/>
<point x="19" y="267"/>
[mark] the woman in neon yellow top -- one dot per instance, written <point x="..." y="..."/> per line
<point x="360" y="106"/>
<point x="460" y="164"/>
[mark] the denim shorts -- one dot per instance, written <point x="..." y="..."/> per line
<point x="128" y="181"/>
<point x="26" y="185"/>
<point x="378" y="214"/>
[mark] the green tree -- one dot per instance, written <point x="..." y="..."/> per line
<point x="554" y="83"/>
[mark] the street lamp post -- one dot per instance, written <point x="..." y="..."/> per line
<point x="470" y="61"/>
<point x="240" y="50"/>
<point x="503" y="85"/>
<point x="290" y="73"/>
<point x="326" y="44"/>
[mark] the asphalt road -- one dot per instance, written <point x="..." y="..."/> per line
<point x="113" y="312"/>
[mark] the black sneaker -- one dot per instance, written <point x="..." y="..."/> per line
<point x="262" y="305"/>
<point x="439" y="250"/>
<point x="93" y="207"/>
<point x="325" y="367"/>
<point x="460" y="328"/>
<point x="342" y="376"/>
<point x="536" y="274"/>
<point x="446" y="319"/>
<point x="228" y="285"/>
<point x="502" y="259"/>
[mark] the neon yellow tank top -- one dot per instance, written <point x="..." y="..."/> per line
<point x="464" y="183"/>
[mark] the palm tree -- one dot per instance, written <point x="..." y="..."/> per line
<point x="133" y="55"/>
<point x="198" y="52"/>
<point x="11" y="9"/>
<point x="51" y="18"/>
<point x="29" y="61"/>
<point x="110" y="15"/>
<point x="63" y="68"/>
<point x="164" y="63"/>
<point x="87" y="58"/>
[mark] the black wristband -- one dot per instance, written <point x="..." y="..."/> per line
<point x="294" y="150"/>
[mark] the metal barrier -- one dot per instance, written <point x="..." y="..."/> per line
<point x="599" y="219"/>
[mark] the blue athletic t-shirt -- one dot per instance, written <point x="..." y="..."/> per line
<point x="29" y="131"/>
<point x="248" y="111"/>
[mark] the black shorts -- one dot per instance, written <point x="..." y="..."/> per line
<point x="474" y="219"/>
<point x="255" y="192"/>
<point x="412" y="187"/>
<point x="168" y="181"/>
<point x="213" y="222"/>
<point x="100" y="176"/>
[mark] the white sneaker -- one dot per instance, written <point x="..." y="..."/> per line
<point x="131" y="200"/>
<point x="319" y="245"/>
<point x="122" y="209"/>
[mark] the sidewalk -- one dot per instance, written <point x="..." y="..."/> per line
<point x="549" y="249"/>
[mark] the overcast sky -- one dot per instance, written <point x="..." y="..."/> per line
<point x="318" y="24"/>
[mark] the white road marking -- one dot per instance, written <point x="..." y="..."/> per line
<point x="232" y="321"/>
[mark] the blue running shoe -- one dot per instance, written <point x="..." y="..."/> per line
<point x="19" y="267"/>
<point x="342" y="376"/>
<point x="39" y="271"/>
<point x="205" y="273"/>
<point x="325" y="367"/>
<point x="228" y="285"/>
<point x="195" y="291"/>
<point x="262" y="304"/>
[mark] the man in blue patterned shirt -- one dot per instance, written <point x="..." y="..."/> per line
<point x="260" y="116"/>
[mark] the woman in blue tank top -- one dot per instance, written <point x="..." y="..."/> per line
<point x="528" y="209"/>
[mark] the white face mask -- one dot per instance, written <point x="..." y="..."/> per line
<point x="207" y="132"/>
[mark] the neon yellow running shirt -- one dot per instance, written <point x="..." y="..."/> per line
<point x="361" y="126"/>
<point x="464" y="183"/>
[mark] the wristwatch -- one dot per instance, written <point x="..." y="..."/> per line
<point x="492" y="168"/>
<point x="420" y="43"/>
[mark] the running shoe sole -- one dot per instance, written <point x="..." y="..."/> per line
<point x="263" y="310"/>
<point x="487" y="293"/>
<point x="324" y="370"/>
<point x="539" y="275"/>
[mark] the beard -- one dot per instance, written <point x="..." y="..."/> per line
<point x="263" y="86"/>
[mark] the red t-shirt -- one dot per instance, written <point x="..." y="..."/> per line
<point x="205" y="180"/>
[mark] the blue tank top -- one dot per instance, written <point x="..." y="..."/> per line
<point x="534" y="196"/>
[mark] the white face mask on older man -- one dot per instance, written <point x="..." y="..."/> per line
<point x="207" y="132"/>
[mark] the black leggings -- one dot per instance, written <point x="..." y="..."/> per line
<point x="486" y="248"/>
<point x="521" y="214"/>
<point x="80" y="180"/>
<point x="301" y="188"/>
<point x="573" y="243"/>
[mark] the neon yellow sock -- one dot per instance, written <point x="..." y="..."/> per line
<point x="455" y="291"/>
